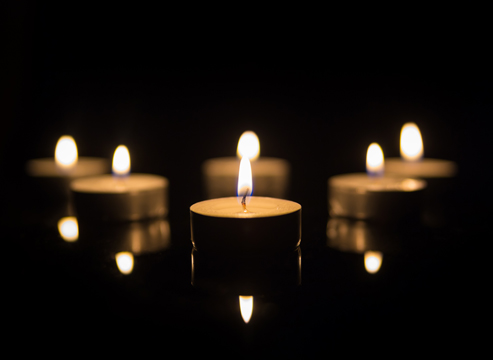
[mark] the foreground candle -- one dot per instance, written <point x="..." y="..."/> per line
<point x="375" y="196"/>
<point x="246" y="223"/>
<point x="270" y="174"/>
<point x="121" y="197"/>
<point x="412" y="163"/>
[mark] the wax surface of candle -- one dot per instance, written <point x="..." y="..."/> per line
<point x="258" y="207"/>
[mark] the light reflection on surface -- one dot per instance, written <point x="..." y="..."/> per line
<point x="125" y="262"/>
<point x="246" y="307"/>
<point x="373" y="261"/>
<point x="68" y="228"/>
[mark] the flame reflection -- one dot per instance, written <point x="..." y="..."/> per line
<point x="68" y="228"/>
<point x="373" y="261"/>
<point x="125" y="262"/>
<point x="246" y="307"/>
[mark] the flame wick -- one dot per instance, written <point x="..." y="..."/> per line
<point x="243" y="203"/>
<point x="243" y="199"/>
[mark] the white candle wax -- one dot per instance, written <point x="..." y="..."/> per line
<point x="86" y="166"/>
<point x="269" y="224"/>
<point x="111" y="198"/>
<point x="375" y="196"/>
<point x="363" y="197"/>
<point x="425" y="168"/>
<point x="270" y="176"/>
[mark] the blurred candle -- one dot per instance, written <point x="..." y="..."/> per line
<point x="374" y="196"/>
<point x="412" y="164"/>
<point x="66" y="163"/>
<point x="271" y="175"/>
<point x="121" y="196"/>
<point x="50" y="177"/>
<point x="438" y="174"/>
<point x="68" y="228"/>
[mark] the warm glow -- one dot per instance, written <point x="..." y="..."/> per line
<point x="68" y="228"/>
<point x="411" y="142"/>
<point x="66" y="153"/>
<point x="374" y="160"/>
<point x="245" y="186"/>
<point x="246" y="308"/>
<point x="125" y="262"/>
<point x="121" y="161"/>
<point x="373" y="261"/>
<point x="248" y="146"/>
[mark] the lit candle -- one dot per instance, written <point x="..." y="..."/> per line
<point x="121" y="196"/>
<point x="66" y="163"/>
<point x="252" y="224"/>
<point x="270" y="175"/>
<point x="51" y="176"/>
<point x="375" y="196"/>
<point x="412" y="163"/>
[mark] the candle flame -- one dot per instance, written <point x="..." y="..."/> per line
<point x="374" y="160"/>
<point x="68" y="228"/>
<point x="373" y="261"/>
<point x="245" y="186"/>
<point x="248" y="146"/>
<point x="121" y="161"/>
<point x="125" y="262"/>
<point x="411" y="142"/>
<point x="66" y="153"/>
<point x="246" y="308"/>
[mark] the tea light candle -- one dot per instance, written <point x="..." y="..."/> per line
<point x="249" y="224"/>
<point x="66" y="163"/>
<point x="121" y="197"/>
<point x="270" y="174"/>
<point x="412" y="163"/>
<point x="374" y="196"/>
<point x="51" y="176"/>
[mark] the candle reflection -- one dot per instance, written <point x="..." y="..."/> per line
<point x="125" y="262"/>
<point x="238" y="274"/>
<point x="68" y="228"/>
<point x="373" y="261"/>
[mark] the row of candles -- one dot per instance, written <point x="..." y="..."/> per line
<point x="384" y="192"/>
<point x="248" y="224"/>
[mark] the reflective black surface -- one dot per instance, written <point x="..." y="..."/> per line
<point x="174" y="109"/>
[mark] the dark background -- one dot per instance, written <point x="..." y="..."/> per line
<point x="180" y="86"/>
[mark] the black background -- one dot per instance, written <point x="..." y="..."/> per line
<point x="180" y="86"/>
